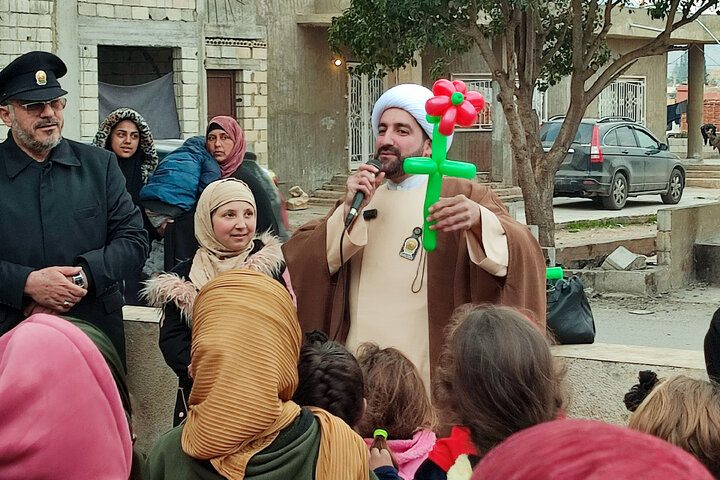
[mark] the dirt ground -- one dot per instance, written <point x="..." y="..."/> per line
<point x="564" y="238"/>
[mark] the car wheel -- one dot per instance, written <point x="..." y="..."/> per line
<point x="676" y="186"/>
<point x="618" y="193"/>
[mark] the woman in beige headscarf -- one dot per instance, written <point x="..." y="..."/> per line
<point x="241" y="422"/>
<point x="225" y="222"/>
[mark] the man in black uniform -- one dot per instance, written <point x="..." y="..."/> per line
<point x="68" y="228"/>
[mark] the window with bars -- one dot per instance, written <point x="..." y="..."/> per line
<point x="625" y="97"/>
<point x="483" y="84"/>
<point x="363" y="92"/>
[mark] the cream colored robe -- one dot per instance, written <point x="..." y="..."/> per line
<point x="388" y="293"/>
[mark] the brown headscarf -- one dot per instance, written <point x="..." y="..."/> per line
<point x="245" y="347"/>
<point x="235" y="132"/>
<point x="212" y="258"/>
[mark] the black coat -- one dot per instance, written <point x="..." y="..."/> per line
<point x="71" y="209"/>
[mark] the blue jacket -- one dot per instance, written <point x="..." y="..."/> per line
<point x="182" y="175"/>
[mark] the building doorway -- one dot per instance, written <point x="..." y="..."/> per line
<point x="221" y="93"/>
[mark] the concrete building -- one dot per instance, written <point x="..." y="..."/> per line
<point x="214" y="49"/>
<point x="268" y="64"/>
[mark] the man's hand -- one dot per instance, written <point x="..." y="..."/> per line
<point x="379" y="458"/>
<point x="453" y="214"/>
<point x="52" y="288"/>
<point x="34" y="308"/>
<point x="365" y="180"/>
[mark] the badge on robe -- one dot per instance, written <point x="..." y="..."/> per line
<point x="411" y="245"/>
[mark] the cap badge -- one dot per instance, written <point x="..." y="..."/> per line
<point x="40" y="77"/>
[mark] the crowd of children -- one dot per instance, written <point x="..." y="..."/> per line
<point x="266" y="406"/>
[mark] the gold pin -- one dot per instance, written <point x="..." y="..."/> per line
<point x="41" y="77"/>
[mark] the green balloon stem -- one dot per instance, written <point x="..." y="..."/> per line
<point x="435" y="167"/>
<point x="554" y="273"/>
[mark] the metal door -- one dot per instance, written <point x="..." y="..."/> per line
<point x="363" y="92"/>
<point x="624" y="98"/>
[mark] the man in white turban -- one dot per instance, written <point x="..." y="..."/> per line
<point x="382" y="286"/>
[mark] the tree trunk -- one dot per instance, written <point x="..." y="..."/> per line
<point x="538" y="199"/>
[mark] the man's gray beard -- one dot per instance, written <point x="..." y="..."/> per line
<point x="33" y="145"/>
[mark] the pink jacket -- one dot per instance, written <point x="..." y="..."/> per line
<point x="410" y="453"/>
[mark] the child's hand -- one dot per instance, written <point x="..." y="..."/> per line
<point x="379" y="458"/>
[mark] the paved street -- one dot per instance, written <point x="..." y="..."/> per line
<point x="572" y="209"/>
<point x="679" y="319"/>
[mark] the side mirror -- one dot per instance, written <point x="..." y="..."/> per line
<point x="664" y="146"/>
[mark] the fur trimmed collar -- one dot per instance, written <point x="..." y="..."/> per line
<point x="170" y="287"/>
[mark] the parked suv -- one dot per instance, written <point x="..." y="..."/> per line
<point x="612" y="159"/>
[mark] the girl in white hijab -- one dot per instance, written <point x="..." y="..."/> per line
<point x="225" y="222"/>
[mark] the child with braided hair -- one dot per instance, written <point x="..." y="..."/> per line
<point x="329" y="378"/>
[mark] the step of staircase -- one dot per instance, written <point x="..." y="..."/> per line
<point x="703" y="182"/>
<point x="702" y="167"/>
<point x="703" y="174"/>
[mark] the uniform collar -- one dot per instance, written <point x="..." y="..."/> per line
<point x="17" y="160"/>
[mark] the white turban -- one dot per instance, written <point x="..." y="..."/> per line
<point x="409" y="97"/>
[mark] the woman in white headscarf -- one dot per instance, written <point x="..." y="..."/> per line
<point x="225" y="224"/>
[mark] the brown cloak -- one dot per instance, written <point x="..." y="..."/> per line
<point x="453" y="279"/>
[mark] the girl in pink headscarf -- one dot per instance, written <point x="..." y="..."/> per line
<point x="60" y="411"/>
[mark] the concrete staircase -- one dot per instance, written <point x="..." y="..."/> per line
<point x="678" y="146"/>
<point x="703" y="175"/>
<point x="331" y="192"/>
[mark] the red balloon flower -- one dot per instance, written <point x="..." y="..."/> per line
<point x="454" y="104"/>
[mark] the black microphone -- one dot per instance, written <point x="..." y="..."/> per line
<point x="360" y="196"/>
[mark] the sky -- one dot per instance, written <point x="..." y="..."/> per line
<point x="712" y="58"/>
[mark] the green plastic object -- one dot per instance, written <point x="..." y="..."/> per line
<point x="435" y="167"/>
<point x="554" y="273"/>
<point x="380" y="432"/>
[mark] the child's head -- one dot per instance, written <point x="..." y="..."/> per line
<point x="497" y="375"/>
<point x="396" y="398"/>
<point x="329" y="378"/>
<point x="685" y="412"/>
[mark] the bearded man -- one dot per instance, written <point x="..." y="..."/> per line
<point x="381" y="286"/>
<point x="68" y="228"/>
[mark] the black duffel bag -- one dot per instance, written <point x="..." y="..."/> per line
<point x="569" y="317"/>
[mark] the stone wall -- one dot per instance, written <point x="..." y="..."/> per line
<point x="679" y="229"/>
<point x="173" y="10"/>
<point x="599" y="375"/>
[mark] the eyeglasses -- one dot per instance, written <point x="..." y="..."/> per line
<point x="36" y="108"/>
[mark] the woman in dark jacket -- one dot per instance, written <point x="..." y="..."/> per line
<point x="125" y="133"/>
<point x="225" y="224"/>
<point x="181" y="177"/>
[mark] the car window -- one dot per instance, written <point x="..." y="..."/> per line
<point x="626" y="137"/>
<point x="645" y="140"/>
<point x="549" y="132"/>
<point x="611" y="138"/>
